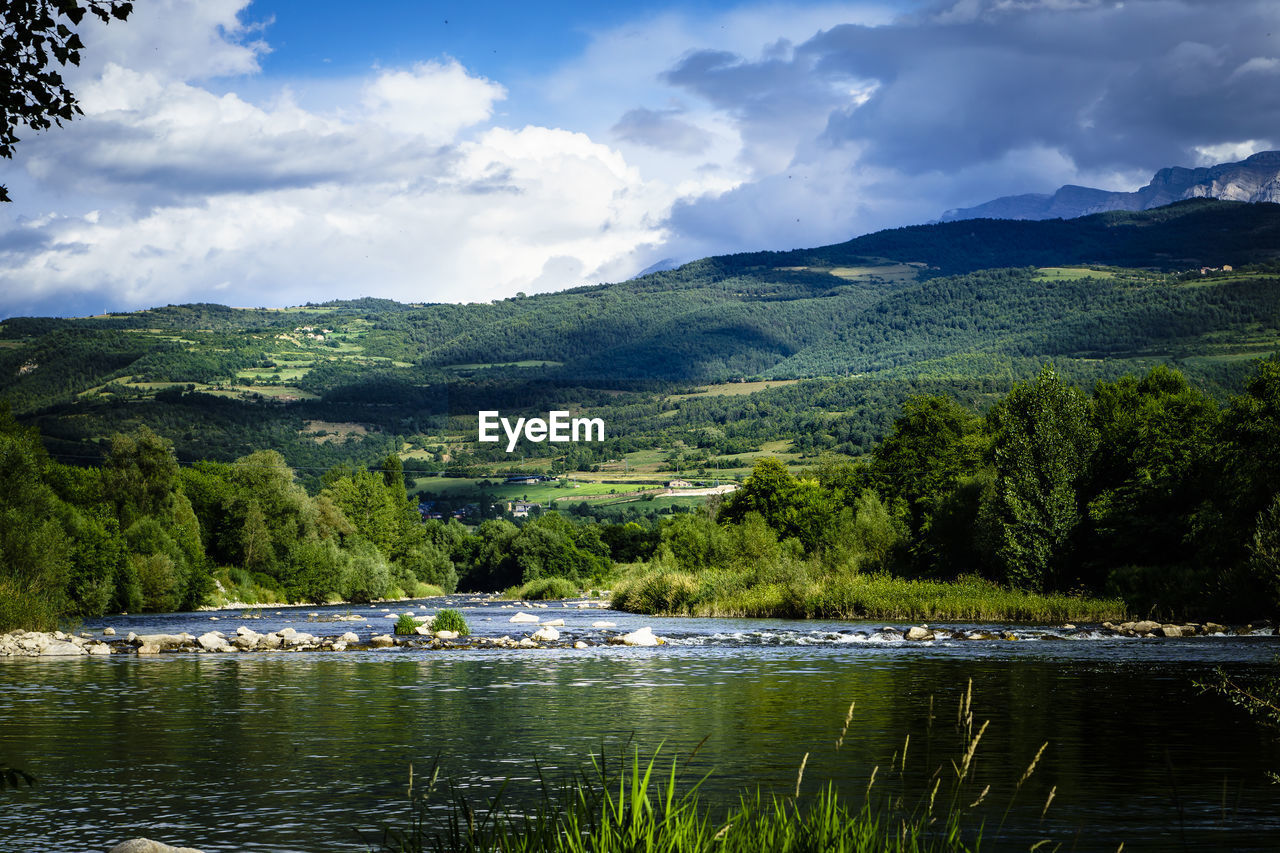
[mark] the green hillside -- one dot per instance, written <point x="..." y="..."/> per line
<point x="962" y="308"/>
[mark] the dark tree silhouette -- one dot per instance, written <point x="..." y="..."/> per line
<point x="34" y="35"/>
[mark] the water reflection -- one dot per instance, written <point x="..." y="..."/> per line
<point x="296" y="752"/>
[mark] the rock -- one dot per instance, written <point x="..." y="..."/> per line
<point x="918" y="633"/>
<point x="1008" y="635"/>
<point x="1067" y="626"/>
<point x="246" y="639"/>
<point x="146" y="845"/>
<point x="422" y="631"/>
<point x="523" y="617"/>
<point x="1146" y="626"/>
<point x="211" y="642"/>
<point x="382" y="641"/>
<point x="546" y="634"/>
<point x="339" y="646"/>
<point x="131" y="637"/>
<point x="270" y="641"/>
<point x="164" y="641"/>
<point x="148" y="649"/>
<point x="554" y="623"/>
<point x="981" y="635"/>
<point x="98" y="649"/>
<point x="1167" y="631"/>
<point x="85" y="635"/>
<point x="108" y="631"/>
<point x="526" y="643"/>
<point x="446" y="635"/>
<point x="603" y="623"/>
<point x="642" y="637"/>
<point x="299" y="639"/>
<point x="59" y="648"/>
<point x="1213" y="628"/>
<point x="349" y="637"/>
<point x="580" y="645"/>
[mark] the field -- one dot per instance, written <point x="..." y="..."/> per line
<point x="1071" y="273"/>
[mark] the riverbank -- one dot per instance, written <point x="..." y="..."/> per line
<point x="720" y="594"/>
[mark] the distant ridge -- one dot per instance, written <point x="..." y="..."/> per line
<point x="1254" y="179"/>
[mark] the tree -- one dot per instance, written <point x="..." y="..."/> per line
<point x="32" y="38"/>
<point x="1042" y="443"/>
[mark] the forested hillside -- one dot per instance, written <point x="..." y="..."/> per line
<point x="962" y="309"/>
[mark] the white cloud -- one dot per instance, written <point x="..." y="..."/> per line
<point x="432" y="100"/>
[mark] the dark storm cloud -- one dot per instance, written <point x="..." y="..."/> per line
<point x="1141" y="83"/>
<point x="662" y="129"/>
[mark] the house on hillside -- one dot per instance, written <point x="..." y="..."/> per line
<point x="679" y="484"/>
<point x="529" y="480"/>
<point x="520" y="509"/>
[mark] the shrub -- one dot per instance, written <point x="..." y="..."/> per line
<point x="406" y="624"/>
<point x="543" y="588"/>
<point x="451" y="620"/>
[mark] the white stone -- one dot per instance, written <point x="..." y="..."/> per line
<point x="211" y="642"/>
<point x="580" y="645"/>
<point x="917" y="633"/>
<point x="546" y="634"/>
<point x="349" y="637"/>
<point x="523" y="617"/>
<point x="146" y="845"/>
<point x="603" y="623"/>
<point x="60" y="648"/>
<point x="554" y="623"/>
<point x="642" y="637"/>
<point x="382" y="641"/>
<point x="526" y="643"/>
<point x="98" y="649"/>
<point x="446" y="635"/>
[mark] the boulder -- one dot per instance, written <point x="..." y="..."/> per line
<point x="422" y="631"/>
<point x="339" y="646"/>
<point x="211" y="642"/>
<point x="108" y="631"/>
<point x="603" y="623"/>
<point x="98" y="649"/>
<point x="1167" y="631"/>
<point x="270" y="641"/>
<point x="546" y="634"/>
<point x="349" y="637"/>
<point x="1146" y="626"/>
<point x="247" y="641"/>
<point x="446" y="635"/>
<point x="580" y="645"/>
<point x="523" y="617"/>
<point x="526" y="643"/>
<point x="146" y="845"/>
<point x="642" y="637"/>
<point x="554" y="623"/>
<point x="60" y="648"/>
<point x="918" y="633"/>
<point x="382" y="641"/>
<point x="1213" y="628"/>
<point x="148" y="649"/>
<point x="164" y="641"/>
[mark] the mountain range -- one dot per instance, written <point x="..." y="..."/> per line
<point x="1254" y="179"/>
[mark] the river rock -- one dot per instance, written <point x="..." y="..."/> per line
<point x="580" y="645"/>
<point x="1146" y="626"/>
<point x="211" y="642"/>
<point x="60" y="648"/>
<point x="642" y="637"/>
<point x="1167" y="631"/>
<point x="270" y="641"/>
<point x="146" y="845"/>
<point x="349" y="637"/>
<point x="546" y="634"/>
<point x="981" y="635"/>
<point x="108" y="631"/>
<point x="423" y="631"/>
<point x="523" y="617"/>
<point x="339" y="646"/>
<point x="554" y="623"/>
<point x="1213" y="628"/>
<point x="603" y="623"/>
<point x="164" y="641"/>
<point x="526" y="643"/>
<point x="917" y="633"/>
<point x="382" y="641"/>
<point x="246" y="638"/>
<point x="98" y="649"/>
<point x="446" y="635"/>
<point x="148" y="649"/>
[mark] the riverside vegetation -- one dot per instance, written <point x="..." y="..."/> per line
<point x="1147" y="492"/>
<point x="635" y="804"/>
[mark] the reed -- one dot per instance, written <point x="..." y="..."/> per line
<point x="637" y="803"/>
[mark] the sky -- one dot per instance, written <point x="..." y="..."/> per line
<point x="278" y="152"/>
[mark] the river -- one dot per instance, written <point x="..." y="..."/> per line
<point x="310" y="751"/>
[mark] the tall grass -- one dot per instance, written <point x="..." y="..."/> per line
<point x="640" y="804"/>
<point x="543" y="588"/>
<point x="851" y="596"/>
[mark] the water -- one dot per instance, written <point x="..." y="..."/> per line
<point x="307" y="751"/>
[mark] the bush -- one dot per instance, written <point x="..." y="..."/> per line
<point x="406" y="624"/>
<point x="544" y="588"/>
<point x="451" y="620"/>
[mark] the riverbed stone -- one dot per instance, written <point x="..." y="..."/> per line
<point x="146" y="845"/>
<point x="916" y="632"/>
<point x="211" y="642"/>
<point x="148" y="649"/>
<point x="641" y="637"/>
<point x="382" y="641"/>
<point x="98" y="649"/>
<point x="523" y="617"/>
<point x="580" y="645"/>
<point x="1146" y="626"/>
<point x="349" y="637"/>
<point x="546" y="634"/>
<point x="603" y="623"/>
<point x="1167" y="631"/>
<point x="60" y="648"/>
<point x="554" y="623"/>
<point x="446" y="635"/>
<point x="108" y="631"/>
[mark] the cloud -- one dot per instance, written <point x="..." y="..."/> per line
<point x="662" y="129"/>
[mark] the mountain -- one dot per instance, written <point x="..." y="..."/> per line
<point x="840" y="335"/>
<point x="1254" y="179"/>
